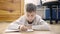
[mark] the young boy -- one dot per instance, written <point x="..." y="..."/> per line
<point x="31" y="18"/>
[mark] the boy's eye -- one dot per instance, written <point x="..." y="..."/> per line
<point x="31" y="15"/>
<point x="28" y="15"/>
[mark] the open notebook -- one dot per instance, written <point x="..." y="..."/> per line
<point x="29" y="30"/>
<point x="11" y="30"/>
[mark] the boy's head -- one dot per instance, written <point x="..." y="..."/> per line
<point x="30" y="12"/>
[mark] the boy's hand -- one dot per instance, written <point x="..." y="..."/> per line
<point x="29" y="27"/>
<point x="23" y="28"/>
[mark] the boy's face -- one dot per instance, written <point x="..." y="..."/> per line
<point x="30" y="16"/>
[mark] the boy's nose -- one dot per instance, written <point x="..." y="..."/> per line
<point x="30" y="18"/>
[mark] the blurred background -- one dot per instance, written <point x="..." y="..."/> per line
<point x="49" y="10"/>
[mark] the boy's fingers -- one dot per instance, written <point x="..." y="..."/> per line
<point x="23" y="28"/>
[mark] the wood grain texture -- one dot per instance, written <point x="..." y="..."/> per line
<point x="11" y="10"/>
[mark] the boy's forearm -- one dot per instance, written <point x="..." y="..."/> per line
<point x="41" y="27"/>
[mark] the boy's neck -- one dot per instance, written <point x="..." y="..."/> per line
<point x="30" y="22"/>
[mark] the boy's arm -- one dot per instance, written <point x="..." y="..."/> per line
<point x="14" y="26"/>
<point x="42" y="25"/>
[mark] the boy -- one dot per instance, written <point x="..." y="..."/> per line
<point x="30" y="17"/>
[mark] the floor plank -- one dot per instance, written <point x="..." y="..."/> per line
<point x="55" y="27"/>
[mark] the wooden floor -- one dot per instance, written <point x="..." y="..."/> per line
<point x="55" y="27"/>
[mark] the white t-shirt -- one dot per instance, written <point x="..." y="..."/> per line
<point x="38" y="24"/>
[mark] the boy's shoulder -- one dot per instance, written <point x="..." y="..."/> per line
<point x="37" y="16"/>
<point x="22" y="17"/>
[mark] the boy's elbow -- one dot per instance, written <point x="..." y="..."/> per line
<point x="47" y="28"/>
